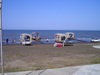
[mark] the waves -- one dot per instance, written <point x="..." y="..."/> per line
<point x="14" y="35"/>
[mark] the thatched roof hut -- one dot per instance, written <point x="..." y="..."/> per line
<point x="35" y="36"/>
<point x="60" y="37"/>
<point x="69" y="35"/>
<point x="26" y="37"/>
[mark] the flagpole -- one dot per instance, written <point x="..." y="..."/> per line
<point x="2" y="63"/>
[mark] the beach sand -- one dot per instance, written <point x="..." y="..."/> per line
<point x="44" y="56"/>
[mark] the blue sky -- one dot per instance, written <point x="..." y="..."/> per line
<point x="51" y="14"/>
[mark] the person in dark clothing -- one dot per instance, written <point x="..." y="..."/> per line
<point x="63" y="38"/>
<point x="7" y="41"/>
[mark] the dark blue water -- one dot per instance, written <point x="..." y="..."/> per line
<point x="44" y="34"/>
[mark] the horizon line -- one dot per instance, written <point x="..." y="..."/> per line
<point x="54" y="29"/>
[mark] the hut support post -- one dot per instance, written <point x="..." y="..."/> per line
<point x="63" y="43"/>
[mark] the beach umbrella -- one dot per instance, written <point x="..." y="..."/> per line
<point x="2" y="65"/>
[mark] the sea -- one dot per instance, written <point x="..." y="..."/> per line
<point x="85" y="35"/>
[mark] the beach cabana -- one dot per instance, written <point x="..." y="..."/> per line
<point x="25" y="38"/>
<point x="60" y="37"/>
<point x="69" y="35"/>
<point x="35" y="36"/>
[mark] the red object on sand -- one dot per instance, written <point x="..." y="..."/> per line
<point x="59" y="45"/>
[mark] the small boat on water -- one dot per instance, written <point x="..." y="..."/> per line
<point x="95" y="40"/>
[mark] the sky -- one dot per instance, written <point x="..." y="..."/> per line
<point x="51" y="14"/>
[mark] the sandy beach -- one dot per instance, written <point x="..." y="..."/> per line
<point x="44" y="56"/>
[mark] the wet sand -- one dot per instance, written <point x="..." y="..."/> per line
<point x="43" y="56"/>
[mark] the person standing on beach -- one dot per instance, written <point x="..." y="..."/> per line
<point x="7" y="41"/>
<point x="47" y="40"/>
<point x="13" y="41"/>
